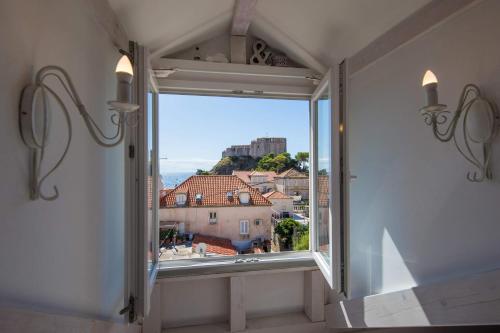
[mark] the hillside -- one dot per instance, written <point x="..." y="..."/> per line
<point x="226" y="165"/>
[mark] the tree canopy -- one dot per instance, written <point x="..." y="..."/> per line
<point x="278" y="163"/>
<point x="302" y="157"/>
<point x="287" y="229"/>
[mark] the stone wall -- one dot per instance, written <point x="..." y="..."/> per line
<point x="264" y="146"/>
<point x="257" y="148"/>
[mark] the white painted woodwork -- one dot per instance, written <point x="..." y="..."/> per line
<point x="152" y="323"/>
<point x="267" y="293"/>
<point x="106" y="18"/>
<point x="19" y="320"/>
<point x="285" y="323"/>
<point x="472" y="300"/>
<point x="225" y="78"/>
<point x="419" y="22"/>
<point x="324" y="30"/>
<point x="242" y="17"/>
<point x="314" y="296"/>
<point x="238" y="49"/>
<point x="237" y="308"/>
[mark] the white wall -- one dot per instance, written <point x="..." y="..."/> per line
<point x="414" y="216"/>
<point x="64" y="256"/>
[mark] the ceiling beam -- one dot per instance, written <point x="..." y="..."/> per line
<point x="244" y="11"/>
<point x="434" y="13"/>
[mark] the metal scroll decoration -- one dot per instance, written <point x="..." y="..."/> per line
<point x="476" y="149"/>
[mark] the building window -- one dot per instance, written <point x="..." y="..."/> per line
<point x="212" y="217"/>
<point x="258" y="222"/>
<point x="244" y="197"/>
<point x="180" y="199"/>
<point x="244" y="227"/>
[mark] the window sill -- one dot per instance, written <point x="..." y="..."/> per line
<point x="302" y="260"/>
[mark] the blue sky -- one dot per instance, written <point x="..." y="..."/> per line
<point x="194" y="130"/>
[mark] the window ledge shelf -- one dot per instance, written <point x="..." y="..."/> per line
<point x="238" y="265"/>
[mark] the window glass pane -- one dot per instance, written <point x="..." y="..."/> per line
<point x="324" y="159"/>
<point x="248" y="159"/>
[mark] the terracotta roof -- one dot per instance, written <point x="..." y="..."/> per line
<point x="215" y="245"/>
<point x="213" y="190"/>
<point x="276" y="195"/>
<point x="291" y="173"/>
<point x="323" y="190"/>
<point x="245" y="175"/>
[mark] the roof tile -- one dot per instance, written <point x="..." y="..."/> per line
<point x="213" y="190"/>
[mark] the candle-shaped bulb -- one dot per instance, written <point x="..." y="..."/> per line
<point x="429" y="78"/>
<point x="124" y="66"/>
<point x="429" y="83"/>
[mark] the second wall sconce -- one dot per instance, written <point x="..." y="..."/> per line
<point x="474" y="147"/>
<point x="34" y="117"/>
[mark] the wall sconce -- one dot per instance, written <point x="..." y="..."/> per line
<point x="444" y="129"/>
<point x="34" y="117"/>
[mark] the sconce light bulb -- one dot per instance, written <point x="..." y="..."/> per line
<point x="124" y="66"/>
<point x="429" y="78"/>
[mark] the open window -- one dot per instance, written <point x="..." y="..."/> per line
<point x="326" y="178"/>
<point x="325" y="208"/>
<point x="142" y="195"/>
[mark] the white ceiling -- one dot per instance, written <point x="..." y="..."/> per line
<point x="328" y="30"/>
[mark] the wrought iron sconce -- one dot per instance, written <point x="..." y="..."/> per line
<point x="445" y="129"/>
<point x="34" y="118"/>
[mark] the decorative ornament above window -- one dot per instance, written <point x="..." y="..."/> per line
<point x="476" y="118"/>
<point x="34" y="117"/>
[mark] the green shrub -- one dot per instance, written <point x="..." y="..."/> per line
<point x="301" y="242"/>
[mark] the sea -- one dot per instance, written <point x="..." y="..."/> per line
<point x="172" y="179"/>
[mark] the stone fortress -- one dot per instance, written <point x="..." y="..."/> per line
<point x="257" y="148"/>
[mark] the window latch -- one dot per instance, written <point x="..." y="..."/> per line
<point x="130" y="308"/>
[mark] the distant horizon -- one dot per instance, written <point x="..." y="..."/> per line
<point x="216" y="123"/>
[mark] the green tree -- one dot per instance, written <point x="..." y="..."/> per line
<point x="301" y="242"/>
<point x="286" y="229"/>
<point x="302" y="158"/>
<point x="278" y="163"/>
<point x="201" y="172"/>
<point x="266" y="163"/>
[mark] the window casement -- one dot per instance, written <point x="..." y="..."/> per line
<point x="244" y="227"/>
<point x="180" y="199"/>
<point x="212" y="217"/>
<point x="328" y="190"/>
<point x="244" y="197"/>
<point x="142" y="193"/>
<point x="327" y="173"/>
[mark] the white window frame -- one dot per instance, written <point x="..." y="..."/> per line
<point x="285" y="259"/>
<point x="180" y="202"/>
<point x="332" y="268"/>
<point x="140" y="276"/>
<point x="244" y="223"/>
<point x="212" y="217"/>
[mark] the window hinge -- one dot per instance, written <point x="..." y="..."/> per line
<point x="131" y="151"/>
<point x="130" y="308"/>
